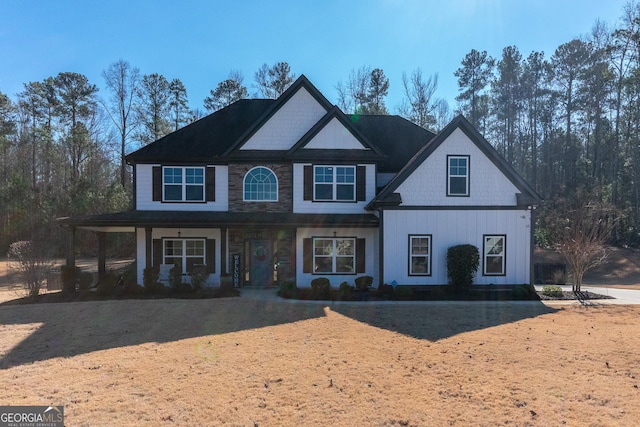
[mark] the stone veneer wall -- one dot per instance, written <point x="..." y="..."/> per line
<point x="284" y="173"/>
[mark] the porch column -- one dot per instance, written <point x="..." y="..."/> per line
<point x="223" y="251"/>
<point x="148" y="247"/>
<point x="71" y="247"/>
<point x="102" y="254"/>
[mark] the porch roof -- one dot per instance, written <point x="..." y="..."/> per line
<point x="130" y="220"/>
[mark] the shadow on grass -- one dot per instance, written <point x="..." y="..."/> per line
<point x="438" y="320"/>
<point x="69" y="329"/>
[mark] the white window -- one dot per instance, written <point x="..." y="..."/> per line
<point x="184" y="253"/>
<point x="261" y="184"/>
<point x="494" y="258"/>
<point x="420" y="255"/>
<point x="457" y="175"/>
<point x="183" y="184"/>
<point x="334" y="255"/>
<point x="334" y="183"/>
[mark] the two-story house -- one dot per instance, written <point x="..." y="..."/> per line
<point x="294" y="189"/>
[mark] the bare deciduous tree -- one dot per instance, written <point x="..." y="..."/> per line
<point x="580" y="230"/>
<point x="29" y="260"/>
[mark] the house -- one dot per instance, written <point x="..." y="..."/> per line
<point x="265" y="191"/>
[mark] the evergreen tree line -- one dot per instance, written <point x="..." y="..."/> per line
<point x="569" y="123"/>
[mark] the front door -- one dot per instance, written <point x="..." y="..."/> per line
<point x="261" y="273"/>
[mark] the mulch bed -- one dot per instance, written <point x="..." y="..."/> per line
<point x="575" y="296"/>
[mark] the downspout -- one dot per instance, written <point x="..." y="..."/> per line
<point x="381" y="247"/>
<point x="532" y="209"/>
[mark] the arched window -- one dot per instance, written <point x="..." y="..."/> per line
<point x="260" y="184"/>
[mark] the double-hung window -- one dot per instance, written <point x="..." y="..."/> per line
<point x="457" y="175"/>
<point x="334" y="255"/>
<point x="420" y="255"/>
<point x="334" y="183"/>
<point x="494" y="255"/>
<point x="184" y="253"/>
<point x="183" y="184"/>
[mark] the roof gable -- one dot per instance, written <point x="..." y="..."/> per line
<point x="296" y="111"/>
<point x="461" y="125"/>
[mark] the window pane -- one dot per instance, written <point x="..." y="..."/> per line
<point x="260" y="184"/>
<point x="172" y="247"/>
<point x="345" y="192"/>
<point x="194" y="247"/>
<point x="419" y="265"/>
<point x="344" y="174"/>
<point x="493" y="265"/>
<point x="173" y="192"/>
<point x="172" y="175"/>
<point x="194" y="192"/>
<point x="323" y="264"/>
<point x="324" y="192"/>
<point x="344" y="265"/>
<point x="494" y="246"/>
<point x="323" y="174"/>
<point x="323" y="247"/>
<point x="457" y="185"/>
<point x="344" y="247"/>
<point x="193" y="261"/>
<point x="420" y="246"/>
<point x="194" y="176"/>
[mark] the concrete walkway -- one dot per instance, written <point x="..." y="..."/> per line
<point x="621" y="296"/>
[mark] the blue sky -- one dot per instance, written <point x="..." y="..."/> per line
<point x="199" y="42"/>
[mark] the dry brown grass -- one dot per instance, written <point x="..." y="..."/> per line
<point x="243" y="362"/>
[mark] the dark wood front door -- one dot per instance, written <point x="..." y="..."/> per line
<point x="261" y="263"/>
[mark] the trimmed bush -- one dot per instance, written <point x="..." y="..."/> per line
<point x="386" y="290"/>
<point x="462" y="265"/>
<point x="320" y="288"/>
<point x="363" y="283"/>
<point x="403" y="292"/>
<point x="68" y="276"/>
<point x="288" y="290"/>
<point x="108" y="285"/>
<point x="345" y="291"/>
<point x="175" y="277"/>
<point x="198" y="276"/>
<point x="150" y="278"/>
<point x="85" y="280"/>
<point x="552" y="291"/>
<point x="524" y="292"/>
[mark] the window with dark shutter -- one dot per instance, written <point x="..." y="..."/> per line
<point x="157" y="183"/>
<point x="361" y="183"/>
<point x="211" y="184"/>
<point x="308" y="182"/>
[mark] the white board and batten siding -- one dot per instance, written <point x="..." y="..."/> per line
<point x="287" y="125"/>
<point x="185" y="233"/>
<point x="427" y="185"/>
<point x="371" y="254"/>
<point x="144" y="192"/>
<point x="453" y="227"/>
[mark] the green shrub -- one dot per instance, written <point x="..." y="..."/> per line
<point x="462" y="265"/>
<point x="175" y="277"/>
<point x="150" y="277"/>
<point x="108" y="285"/>
<point x="363" y="283"/>
<point x="198" y="276"/>
<point x="69" y="276"/>
<point x="85" y="280"/>
<point x="524" y="292"/>
<point x="345" y="291"/>
<point x="552" y="291"/>
<point x="320" y="288"/>
<point x="386" y="290"/>
<point x="226" y="282"/>
<point x="288" y="290"/>
<point x="403" y="292"/>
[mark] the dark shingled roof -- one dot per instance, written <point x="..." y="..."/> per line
<point x="206" y="138"/>
<point x="188" y="219"/>
<point x="395" y="136"/>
